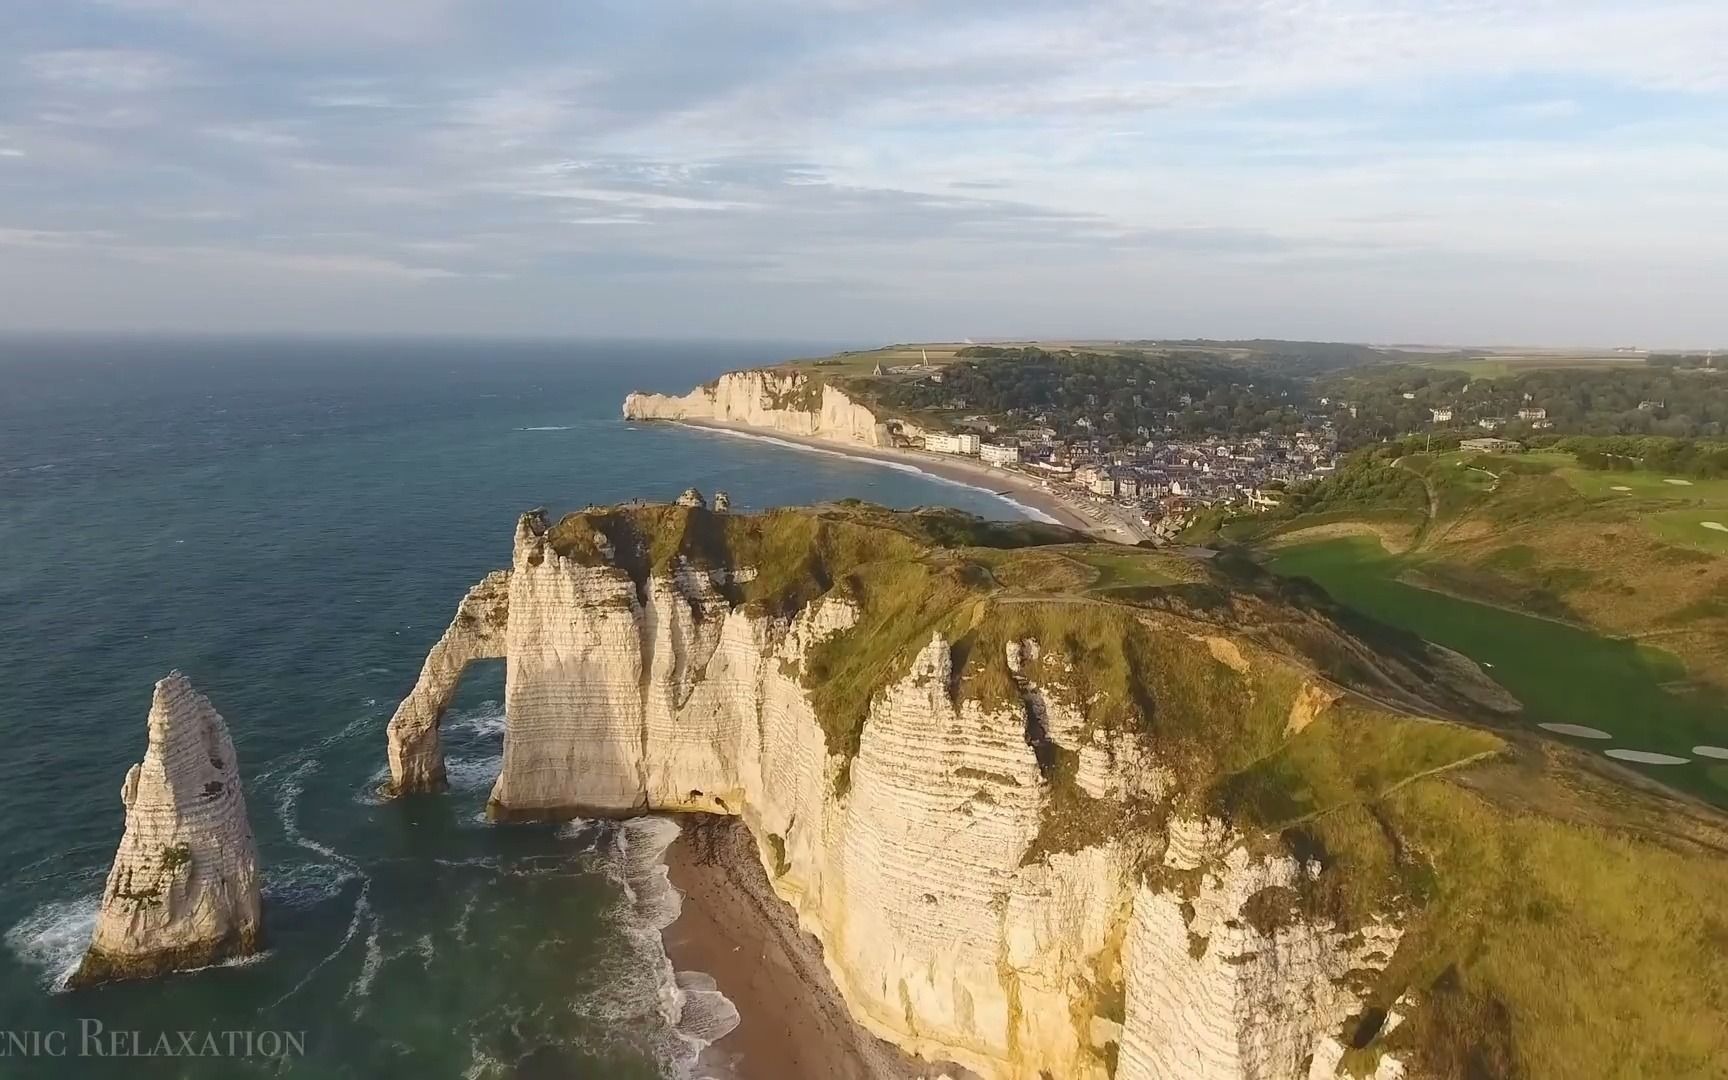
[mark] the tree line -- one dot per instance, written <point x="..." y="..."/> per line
<point x="1111" y="394"/>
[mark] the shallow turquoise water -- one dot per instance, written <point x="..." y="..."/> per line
<point x="292" y="524"/>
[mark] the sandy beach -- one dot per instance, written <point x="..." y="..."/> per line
<point x="1017" y="486"/>
<point x="793" y="1023"/>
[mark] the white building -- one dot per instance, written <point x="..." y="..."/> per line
<point x="1104" y="484"/>
<point x="994" y="454"/>
<point x="1532" y="414"/>
<point x="942" y="442"/>
<point x="1440" y="416"/>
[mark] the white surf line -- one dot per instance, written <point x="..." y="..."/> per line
<point x="689" y="1001"/>
<point x="1576" y="730"/>
<point x="362" y="986"/>
<point x="287" y="809"/>
<point x="1646" y="757"/>
<point x="1030" y="512"/>
<point x="54" y="937"/>
<point x="362" y="910"/>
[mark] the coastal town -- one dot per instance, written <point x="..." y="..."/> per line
<point x="1150" y="489"/>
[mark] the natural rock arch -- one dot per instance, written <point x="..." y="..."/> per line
<point x="476" y="633"/>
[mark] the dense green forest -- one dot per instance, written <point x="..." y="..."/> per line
<point x="1118" y="393"/>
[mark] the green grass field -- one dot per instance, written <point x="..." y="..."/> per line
<point x="1129" y="568"/>
<point x="1561" y="673"/>
<point x="1642" y="484"/>
<point x="1705" y="529"/>
<point x="864" y="361"/>
<point x="1695" y="502"/>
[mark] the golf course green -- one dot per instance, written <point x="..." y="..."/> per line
<point x="1561" y="673"/>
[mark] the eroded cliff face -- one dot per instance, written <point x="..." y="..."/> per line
<point x="783" y="401"/>
<point x="956" y="920"/>
<point x="183" y="891"/>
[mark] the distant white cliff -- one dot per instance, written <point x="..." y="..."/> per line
<point x="1135" y="957"/>
<point x="183" y="890"/>
<point x="786" y="401"/>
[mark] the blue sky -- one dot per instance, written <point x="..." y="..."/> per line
<point x="1459" y="171"/>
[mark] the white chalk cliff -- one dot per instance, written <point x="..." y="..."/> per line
<point x="946" y="929"/>
<point x="183" y="891"/>
<point x="788" y="402"/>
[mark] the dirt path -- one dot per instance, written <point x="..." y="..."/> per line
<point x="1433" y="502"/>
<point x="1392" y="789"/>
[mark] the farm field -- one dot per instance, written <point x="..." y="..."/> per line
<point x="1563" y="674"/>
<point x="1507" y="364"/>
<point x="864" y="361"/>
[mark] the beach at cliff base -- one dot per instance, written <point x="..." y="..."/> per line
<point x="792" y="1020"/>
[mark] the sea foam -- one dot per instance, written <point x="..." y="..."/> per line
<point x="54" y="936"/>
<point x="689" y="1005"/>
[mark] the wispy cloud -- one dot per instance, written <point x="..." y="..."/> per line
<point x="107" y="71"/>
<point x="1368" y="168"/>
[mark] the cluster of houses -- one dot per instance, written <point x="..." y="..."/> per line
<point x="1162" y="481"/>
<point x="1537" y="418"/>
<point x="1450" y="416"/>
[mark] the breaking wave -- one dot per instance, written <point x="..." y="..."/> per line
<point x="689" y="1005"/>
<point x="472" y="773"/>
<point x="485" y="720"/>
<point x="53" y="937"/>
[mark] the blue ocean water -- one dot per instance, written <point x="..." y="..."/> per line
<point x="291" y="523"/>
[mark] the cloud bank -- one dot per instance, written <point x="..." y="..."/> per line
<point x="1390" y="170"/>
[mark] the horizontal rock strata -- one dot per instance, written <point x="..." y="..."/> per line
<point x="183" y="891"/>
<point x="785" y="401"/>
<point x="913" y="862"/>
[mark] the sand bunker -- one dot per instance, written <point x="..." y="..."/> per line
<point x="1715" y="525"/>
<point x="1577" y="730"/>
<point x="1711" y="751"/>
<point x="1677" y="483"/>
<point x="1646" y="757"/>
<point x="1619" y="487"/>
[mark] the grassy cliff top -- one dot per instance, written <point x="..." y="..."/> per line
<point x="1598" y="596"/>
<point x="1560" y="919"/>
